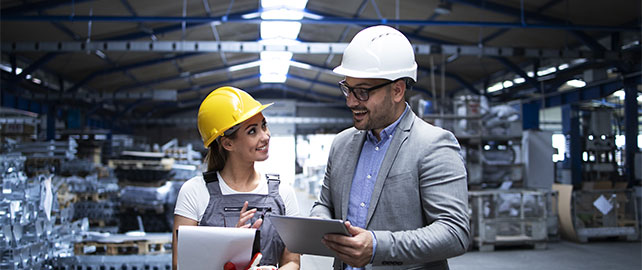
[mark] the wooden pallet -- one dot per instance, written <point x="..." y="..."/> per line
<point x="511" y="241"/>
<point x="138" y="247"/>
<point x="94" y="197"/>
<point x="93" y="223"/>
<point x="129" y="164"/>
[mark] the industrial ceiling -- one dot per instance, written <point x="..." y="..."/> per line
<point x="157" y="58"/>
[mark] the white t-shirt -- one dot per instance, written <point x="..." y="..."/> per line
<point x="194" y="197"/>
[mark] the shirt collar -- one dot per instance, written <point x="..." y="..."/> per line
<point x="389" y="131"/>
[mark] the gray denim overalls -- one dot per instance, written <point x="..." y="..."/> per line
<point x="224" y="211"/>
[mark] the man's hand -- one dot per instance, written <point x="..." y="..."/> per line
<point x="355" y="250"/>
<point x="247" y="215"/>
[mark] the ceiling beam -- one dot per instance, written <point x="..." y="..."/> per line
<point x="124" y="68"/>
<point x="39" y="6"/>
<point x="517" y="70"/>
<point x="324" y="20"/>
<point x="549" y="85"/>
<point x="500" y="32"/>
<point x="194" y="102"/>
<point x="170" y="28"/>
<point x="298" y="48"/>
<point x="547" y="20"/>
<point x="592" y="91"/>
<point x="36" y="65"/>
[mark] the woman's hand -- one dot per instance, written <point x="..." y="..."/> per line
<point x="247" y="215"/>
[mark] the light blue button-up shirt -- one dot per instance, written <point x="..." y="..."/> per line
<point x="365" y="176"/>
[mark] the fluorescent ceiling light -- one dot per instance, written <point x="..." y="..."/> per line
<point x="244" y="66"/>
<point x="276" y="56"/>
<point x="274" y="66"/>
<point x="293" y="4"/>
<point x="546" y="71"/>
<point x="519" y="80"/>
<point x="300" y="65"/>
<point x="562" y="66"/>
<point x="578" y="61"/>
<point x="619" y="94"/>
<point x="252" y="15"/>
<point x="495" y="87"/>
<point x="576" y="83"/>
<point x="507" y="84"/>
<point x="312" y="15"/>
<point x="275" y="62"/>
<point x="282" y="14"/>
<point x="5" y="68"/>
<point x="279" y="41"/>
<point x="273" y="78"/>
<point x="284" y="30"/>
<point x="100" y="54"/>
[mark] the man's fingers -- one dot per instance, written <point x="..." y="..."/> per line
<point x="344" y="253"/>
<point x="337" y="246"/>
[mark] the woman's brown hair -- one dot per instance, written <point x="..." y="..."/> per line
<point x="217" y="155"/>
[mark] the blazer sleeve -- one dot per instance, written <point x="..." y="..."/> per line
<point x="444" y="199"/>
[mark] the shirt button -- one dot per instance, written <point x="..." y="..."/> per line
<point x="389" y="136"/>
<point x="363" y="205"/>
<point x="377" y="148"/>
<point x="369" y="176"/>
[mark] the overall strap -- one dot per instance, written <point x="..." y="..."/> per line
<point x="273" y="184"/>
<point x="211" y="181"/>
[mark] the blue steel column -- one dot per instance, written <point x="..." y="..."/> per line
<point x="51" y="123"/>
<point x="530" y="115"/>
<point x="573" y="156"/>
<point x="631" y="128"/>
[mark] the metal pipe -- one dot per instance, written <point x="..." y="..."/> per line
<point x="325" y="20"/>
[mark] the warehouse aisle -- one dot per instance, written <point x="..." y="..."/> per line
<point x="559" y="255"/>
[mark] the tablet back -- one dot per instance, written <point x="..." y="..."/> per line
<point x="303" y="234"/>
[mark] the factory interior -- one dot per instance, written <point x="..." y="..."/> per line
<point x="99" y="103"/>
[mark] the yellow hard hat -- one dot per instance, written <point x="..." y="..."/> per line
<point x="224" y="108"/>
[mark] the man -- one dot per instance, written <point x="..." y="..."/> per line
<point x="398" y="181"/>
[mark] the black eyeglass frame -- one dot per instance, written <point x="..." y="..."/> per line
<point x="361" y="93"/>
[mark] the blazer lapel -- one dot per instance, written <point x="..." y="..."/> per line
<point x="350" y="163"/>
<point x="401" y="134"/>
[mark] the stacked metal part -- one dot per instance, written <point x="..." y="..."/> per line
<point x="93" y="198"/>
<point x="145" y="190"/>
<point x="47" y="156"/>
<point x="120" y="251"/>
<point x="127" y="262"/>
<point x="34" y="228"/>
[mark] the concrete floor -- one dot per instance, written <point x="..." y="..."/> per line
<point x="558" y="255"/>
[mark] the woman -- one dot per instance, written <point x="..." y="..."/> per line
<point x="236" y="134"/>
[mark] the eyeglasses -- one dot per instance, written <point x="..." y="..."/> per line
<point x="359" y="92"/>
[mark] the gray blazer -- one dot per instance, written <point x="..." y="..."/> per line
<point x="419" y="206"/>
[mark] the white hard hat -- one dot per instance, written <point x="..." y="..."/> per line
<point x="379" y="52"/>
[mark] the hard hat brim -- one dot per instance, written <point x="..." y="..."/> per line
<point x="410" y="73"/>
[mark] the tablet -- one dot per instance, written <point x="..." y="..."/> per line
<point x="303" y="234"/>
